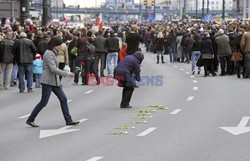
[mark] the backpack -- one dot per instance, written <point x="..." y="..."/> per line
<point x="74" y="51"/>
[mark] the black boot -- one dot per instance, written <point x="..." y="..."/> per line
<point x="162" y="60"/>
<point x="157" y="60"/>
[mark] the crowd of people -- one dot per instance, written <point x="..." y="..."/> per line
<point x="87" y="52"/>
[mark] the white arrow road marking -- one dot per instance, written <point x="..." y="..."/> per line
<point x="181" y="69"/>
<point x="89" y="91"/>
<point x="187" y="73"/>
<point x="240" y="129"/>
<point x="175" y="112"/>
<point x="195" y="88"/>
<point x="95" y="159"/>
<point x="23" y="117"/>
<point x="192" y="76"/>
<point x="63" y="130"/>
<point x="190" y="98"/>
<point x="195" y="81"/>
<point x="70" y="101"/>
<point x="146" y="132"/>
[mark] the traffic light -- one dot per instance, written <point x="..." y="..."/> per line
<point x="152" y="2"/>
<point x="145" y="2"/>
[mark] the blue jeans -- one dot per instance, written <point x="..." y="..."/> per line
<point x="38" y="77"/>
<point x="110" y="56"/>
<point x="28" y="70"/>
<point x="172" y="53"/>
<point x="14" y="74"/>
<point x="46" y="92"/>
<point x="195" y="56"/>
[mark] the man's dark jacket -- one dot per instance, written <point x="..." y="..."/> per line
<point x="24" y="50"/>
<point x="6" y="54"/>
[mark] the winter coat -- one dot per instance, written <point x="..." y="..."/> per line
<point x="112" y="44"/>
<point x="133" y="41"/>
<point x="223" y="47"/>
<point x="24" y="50"/>
<point x="128" y="66"/>
<point x="159" y="44"/>
<point x="122" y="54"/>
<point x="232" y="41"/>
<point x="63" y="56"/>
<point x="6" y="53"/>
<point x="207" y="51"/>
<point x="38" y="66"/>
<point x="100" y="44"/>
<point x="245" y="43"/>
<point x="51" y="71"/>
<point x="196" y="43"/>
<point x="188" y="44"/>
<point x="172" y="40"/>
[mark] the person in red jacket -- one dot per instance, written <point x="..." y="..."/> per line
<point x="123" y="51"/>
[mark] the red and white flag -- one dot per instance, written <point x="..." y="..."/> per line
<point x="99" y="21"/>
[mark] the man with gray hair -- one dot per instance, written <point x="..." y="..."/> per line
<point x="6" y="60"/>
<point x="25" y="51"/>
<point x="224" y="53"/>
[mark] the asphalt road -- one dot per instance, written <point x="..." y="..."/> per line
<point x="189" y="130"/>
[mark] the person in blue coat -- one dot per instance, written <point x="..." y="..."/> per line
<point x="38" y="69"/>
<point x="126" y="72"/>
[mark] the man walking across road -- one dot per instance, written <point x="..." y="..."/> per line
<point x="25" y="51"/>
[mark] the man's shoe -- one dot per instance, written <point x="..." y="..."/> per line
<point x="126" y="106"/>
<point x="32" y="124"/>
<point x="72" y="123"/>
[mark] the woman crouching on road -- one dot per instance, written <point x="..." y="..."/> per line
<point x="51" y="83"/>
<point x="126" y="72"/>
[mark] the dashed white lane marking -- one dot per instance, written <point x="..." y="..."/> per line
<point x="82" y="120"/>
<point x="89" y="91"/>
<point x="190" y="98"/>
<point x="187" y="73"/>
<point x="175" y="112"/>
<point x="175" y="66"/>
<point x="146" y="132"/>
<point x="192" y="76"/>
<point x="95" y="158"/>
<point x="181" y="69"/>
<point x="70" y="101"/>
<point x="195" y="88"/>
<point x="195" y="81"/>
<point x="23" y="117"/>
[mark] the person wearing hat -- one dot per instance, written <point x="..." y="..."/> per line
<point x="125" y="72"/>
<point x="51" y="83"/>
<point x="24" y="51"/>
<point x="38" y="69"/>
<point x="224" y="53"/>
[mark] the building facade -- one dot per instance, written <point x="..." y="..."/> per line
<point x="9" y="9"/>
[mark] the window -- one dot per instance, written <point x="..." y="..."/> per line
<point x="212" y="3"/>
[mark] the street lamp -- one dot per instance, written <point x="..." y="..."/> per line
<point x="223" y="10"/>
<point x="46" y="6"/>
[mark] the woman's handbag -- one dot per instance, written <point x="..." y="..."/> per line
<point x="237" y="56"/>
<point x="199" y="63"/>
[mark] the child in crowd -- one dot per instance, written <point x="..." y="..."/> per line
<point x="123" y="51"/>
<point x="38" y="69"/>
